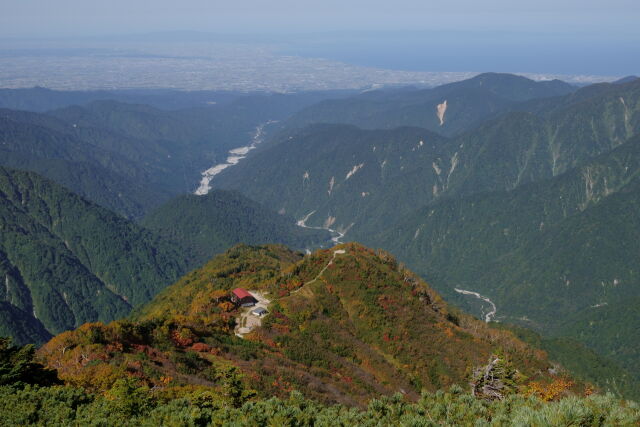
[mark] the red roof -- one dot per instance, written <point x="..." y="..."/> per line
<point x="241" y="293"/>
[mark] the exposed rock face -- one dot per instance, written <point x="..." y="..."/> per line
<point x="441" y="109"/>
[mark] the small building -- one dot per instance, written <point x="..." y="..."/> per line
<point x="243" y="298"/>
<point x="260" y="311"/>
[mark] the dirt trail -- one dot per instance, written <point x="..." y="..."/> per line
<point x="248" y="321"/>
<point x="335" y="253"/>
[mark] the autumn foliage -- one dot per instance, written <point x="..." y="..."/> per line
<point x="364" y="327"/>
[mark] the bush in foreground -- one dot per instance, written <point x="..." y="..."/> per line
<point x="129" y="405"/>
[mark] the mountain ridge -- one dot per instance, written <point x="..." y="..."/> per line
<point x="399" y="169"/>
<point x="209" y="224"/>
<point x="466" y="104"/>
<point x="518" y="239"/>
<point x="317" y="338"/>
<point x="68" y="261"/>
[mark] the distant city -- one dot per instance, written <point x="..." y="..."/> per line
<point x="203" y="66"/>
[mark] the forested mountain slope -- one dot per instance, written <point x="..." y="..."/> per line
<point x="344" y="175"/>
<point x="19" y="325"/>
<point x="523" y="147"/>
<point x="40" y="99"/>
<point x="65" y="261"/>
<point x="131" y="158"/>
<point x="52" y="148"/>
<point x="583" y="362"/>
<point x="364" y="180"/>
<point x="553" y="254"/>
<point x="448" y="109"/>
<point x="345" y="324"/>
<point x="178" y="361"/>
<point x="210" y="224"/>
<point x="535" y="209"/>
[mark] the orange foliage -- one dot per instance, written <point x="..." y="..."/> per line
<point x="183" y="338"/>
<point x="227" y="306"/>
<point x="54" y="351"/>
<point x="200" y="347"/>
<point x="97" y="377"/>
<point x="219" y="295"/>
<point x="283" y="385"/>
<point x="268" y="341"/>
<point x="588" y="391"/>
<point x="114" y="347"/>
<point x="550" y="391"/>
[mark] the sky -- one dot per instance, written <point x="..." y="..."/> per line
<point x="556" y="36"/>
<point x="20" y="18"/>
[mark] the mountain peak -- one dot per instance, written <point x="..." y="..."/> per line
<point x="627" y="79"/>
<point x="342" y="324"/>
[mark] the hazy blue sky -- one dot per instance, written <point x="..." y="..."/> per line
<point x="555" y="36"/>
<point x="93" y="17"/>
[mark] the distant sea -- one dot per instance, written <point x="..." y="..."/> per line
<point x="442" y="51"/>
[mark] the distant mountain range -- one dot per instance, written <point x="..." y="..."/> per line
<point x="131" y="158"/>
<point x="448" y="109"/>
<point x="40" y="99"/>
<point x="364" y="179"/>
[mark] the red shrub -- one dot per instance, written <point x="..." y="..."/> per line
<point x="200" y="347"/>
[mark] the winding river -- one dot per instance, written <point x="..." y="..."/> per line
<point x="491" y="314"/>
<point x="234" y="157"/>
<point x="337" y="234"/>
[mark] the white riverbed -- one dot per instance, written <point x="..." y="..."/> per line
<point x="491" y="314"/>
<point x="234" y="158"/>
<point x="337" y="235"/>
